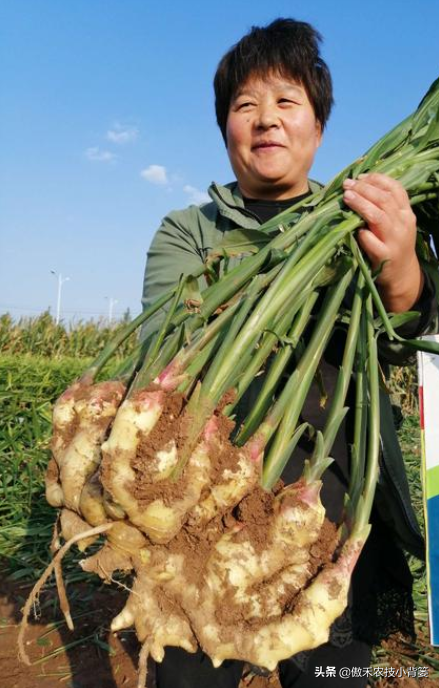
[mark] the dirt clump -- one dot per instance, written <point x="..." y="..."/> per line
<point x="173" y="427"/>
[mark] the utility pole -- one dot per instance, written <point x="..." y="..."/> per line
<point x="61" y="281"/>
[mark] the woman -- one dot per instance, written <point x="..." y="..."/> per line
<point x="273" y="98"/>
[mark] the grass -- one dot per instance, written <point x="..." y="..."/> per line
<point x="29" y="385"/>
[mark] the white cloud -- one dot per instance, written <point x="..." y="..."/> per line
<point x="156" y="174"/>
<point x="195" y="195"/>
<point x="121" y="133"/>
<point x="97" y="155"/>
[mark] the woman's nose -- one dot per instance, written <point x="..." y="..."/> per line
<point x="267" y="117"/>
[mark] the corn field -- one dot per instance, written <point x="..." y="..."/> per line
<point x="41" y="336"/>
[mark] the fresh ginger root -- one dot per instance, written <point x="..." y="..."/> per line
<point x="216" y="561"/>
<point x="81" y="418"/>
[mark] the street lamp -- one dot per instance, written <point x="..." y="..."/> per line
<point x="111" y="303"/>
<point x="61" y="281"/>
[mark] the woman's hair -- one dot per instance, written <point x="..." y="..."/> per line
<point x="285" y="47"/>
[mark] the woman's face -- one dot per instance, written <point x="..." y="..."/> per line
<point x="272" y="137"/>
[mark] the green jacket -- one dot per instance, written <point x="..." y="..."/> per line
<point x="181" y="245"/>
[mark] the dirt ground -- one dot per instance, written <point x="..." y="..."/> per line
<point x="74" y="659"/>
<point x="90" y="656"/>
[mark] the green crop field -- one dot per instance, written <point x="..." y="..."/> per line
<point x="29" y="385"/>
<point x="38" y="360"/>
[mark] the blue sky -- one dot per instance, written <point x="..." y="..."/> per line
<point x="107" y="123"/>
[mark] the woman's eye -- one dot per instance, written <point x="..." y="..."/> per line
<point x="290" y="101"/>
<point x="244" y="105"/>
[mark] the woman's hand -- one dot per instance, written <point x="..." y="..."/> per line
<point x="390" y="238"/>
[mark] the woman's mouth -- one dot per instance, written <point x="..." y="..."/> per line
<point x="266" y="145"/>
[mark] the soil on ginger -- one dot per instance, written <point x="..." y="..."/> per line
<point x="195" y="542"/>
<point x="173" y="426"/>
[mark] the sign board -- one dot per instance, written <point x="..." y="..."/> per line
<point x="428" y="366"/>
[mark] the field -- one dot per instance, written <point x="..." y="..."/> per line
<point x="37" y="361"/>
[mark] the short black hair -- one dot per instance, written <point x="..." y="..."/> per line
<point x="286" y="47"/>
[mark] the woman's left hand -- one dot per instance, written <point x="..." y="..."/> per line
<point x="390" y="237"/>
